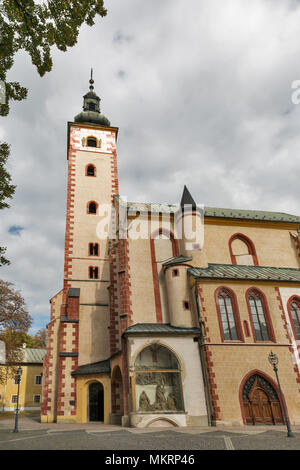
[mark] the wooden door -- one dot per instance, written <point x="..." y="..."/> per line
<point x="261" y="408"/>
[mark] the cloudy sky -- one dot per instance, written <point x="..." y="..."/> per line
<point x="201" y="92"/>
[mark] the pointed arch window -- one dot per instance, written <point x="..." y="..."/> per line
<point x="242" y="250"/>
<point x="229" y="319"/>
<point x="259" y="316"/>
<point x="294" y="312"/>
<point x="163" y="246"/>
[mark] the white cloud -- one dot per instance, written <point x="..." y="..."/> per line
<point x="201" y="93"/>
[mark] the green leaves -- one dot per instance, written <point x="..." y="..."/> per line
<point x="37" y="26"/>
<point x="6" y="188"/>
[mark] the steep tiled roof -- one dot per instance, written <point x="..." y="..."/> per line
<point x="94" y="368"/>
<point x="263" y="273"/>
<point x="217" y="212"/>
<point x="159" y="328"/>
<point x="33" y="355"/>
<point x="178" y="259"/>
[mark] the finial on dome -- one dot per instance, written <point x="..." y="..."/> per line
<point x="91" y="108"/>
<point x="91" y="80"/>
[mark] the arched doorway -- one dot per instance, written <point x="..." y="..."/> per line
<point x="260" y="401"/>
<point x="117" y="404"/>
<point x="96" y="402"/>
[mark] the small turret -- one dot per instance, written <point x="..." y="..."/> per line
<point x="189" y="222"/>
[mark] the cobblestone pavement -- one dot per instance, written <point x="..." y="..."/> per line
<point x="34" y="435"/>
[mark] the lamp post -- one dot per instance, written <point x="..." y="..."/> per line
<point x="19" y="373"/>
<point x="273" y="360"/>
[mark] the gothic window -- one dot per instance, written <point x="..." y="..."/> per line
<point x="93" y="272"/>
<point x="92" y="142"/>
<point x="259" y="315"/>
<point x="242" y="250"/>
<point x="228" y="316"/>
<point x="92" y="207"/>
<point x="90" y="170"/>
<point x="163" y="246"/>
<point x="294" y="311"/>
<point x="157" y="380"/>
<point x="93" y="249"/>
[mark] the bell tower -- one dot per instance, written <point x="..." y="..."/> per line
<point x="81" y="331"/>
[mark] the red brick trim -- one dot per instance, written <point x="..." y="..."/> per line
<point x="236" y="314"/>
<point x="293" y="298"/>
<point x="113" y="305"/>
<point x="248" y="242"/>
<point x="214" y="397"/>
<point x="212" y="384"/>
<point x="124" y="283"/>
<point x="278" y="297"/>
<point x="266" y="313"/>
<point x="70" y="211"/>
<point x="297" y="244"/>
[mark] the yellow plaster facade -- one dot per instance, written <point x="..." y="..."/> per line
<point x="156" y="298"/>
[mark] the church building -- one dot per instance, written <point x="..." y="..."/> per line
<point x="168" y="314"/>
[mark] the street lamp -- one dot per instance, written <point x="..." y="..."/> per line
<point x="273" y="360"/>
<point x="19" y="373"/>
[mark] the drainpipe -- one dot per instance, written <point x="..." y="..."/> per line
<point x="200" y="341"/>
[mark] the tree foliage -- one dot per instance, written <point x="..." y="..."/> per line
<point x="13" y="312"/>
<point x="7" y="189"/>
<point x="19" y="338"/>
<point x="14" y="321"/>
<point x="35" y="27"/>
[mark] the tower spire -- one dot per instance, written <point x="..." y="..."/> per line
<point x="91" y="80"/>
<point x="91" y="108"/>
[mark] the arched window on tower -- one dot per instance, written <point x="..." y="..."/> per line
<point x="90" y="170"/>
<point x="91" y="142"/>
<point x="92" y="107"/>
<point x="259" y="316"/>
<point x="294" y="313"/>
<point x="92" y="207"/>
<point x="242" y="250"/>
<point x="228" y="315"/>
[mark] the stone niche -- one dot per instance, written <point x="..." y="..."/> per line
<point x="157" y="389"/>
